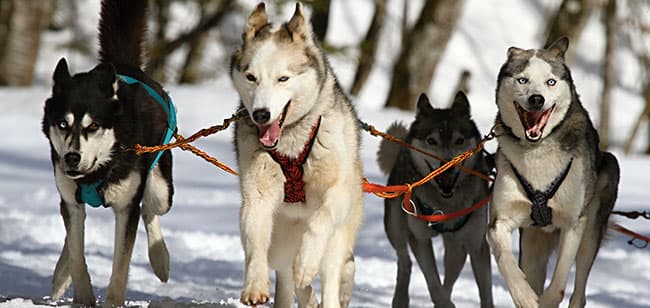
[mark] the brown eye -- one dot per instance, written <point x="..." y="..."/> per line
<point x="460" y="141"/>
<point x="92" y="127"/>
<point x="251" y="77"/>
<point x="432" y="141"/>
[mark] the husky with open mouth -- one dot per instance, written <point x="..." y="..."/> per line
<point x="553" y="182"/>
<point x="445" y="133"/>
<point x="300" y="172"/>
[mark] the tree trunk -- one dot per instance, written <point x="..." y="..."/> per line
<point x="161" y="15"/>
<point x="369" y="48"/>
<point x="24" y="24"/>
<point x="191" y="70"/>
<point x="608" y="72"/>
<point x="637" y="124"/>
<point x="569" y="21"/>
<point x="320" y="16"/>
<point x="419" y="57"/>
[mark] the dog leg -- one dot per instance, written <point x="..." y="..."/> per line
<point x="158" y="254"/>
<point x="284" y="288"/>
<point x="535" y="247"/>
<point x="569" y="243"/>
<point x="126" y="226"/>
<point x="306" y="298"/>
<point x="584" y="260"/>
<point x="335" y="257"/>
<point x="500" y="237"/>
<point x="347" y="281"/>
<point x="455" y="255"/>
<point x="62" y="279"/>
<point x="397" y="231"/>
<point x="423" y="251"/>
<point x="157" y="193"/>
<point x="76" y="215"/>
<point x="480" y="260"/>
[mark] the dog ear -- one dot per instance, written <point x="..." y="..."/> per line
<point x="514" y="51"/>
<point x="106" y="78"/>
<point x="256" y="21"/>
<point x="461" y="104"/>
<point x="297" y="26"/>
<point x="424" y="105"/>
<point x="61" y="76"/>
<point x="559" y="47"/>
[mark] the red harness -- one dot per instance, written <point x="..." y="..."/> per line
<point x="294" y="186"/>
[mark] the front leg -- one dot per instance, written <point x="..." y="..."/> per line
<point x="74" y="216"/>
<point x="126" y="227"/>
<point x="261" y="190"/>
<point x="500" y="237"/>
<point x="569" y="243"/>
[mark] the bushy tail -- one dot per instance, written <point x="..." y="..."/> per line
<point x="609" y="176"/>
<point x="388" y="150"/>
<point x="122" y="26"/>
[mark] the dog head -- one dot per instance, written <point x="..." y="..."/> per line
<point x="276" y="72"/>
<point x="78" y="119"/>
<point x="535" y="90"/>
<point x="445" y="133"/>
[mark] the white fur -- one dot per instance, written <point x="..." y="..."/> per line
<point x="96" y="150"/>
<point x="156" y="193"/>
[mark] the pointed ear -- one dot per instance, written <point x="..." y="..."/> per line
<point x="61" y="76"/>
<point x="104" y="74"/>
<point x="559" y="47"/>
<point x="461" y="104"/>
<point x="256" y="21"/>
<point x="424" y="105"/>
<point x="297" y="26"/>
<point x="514" y="51"/>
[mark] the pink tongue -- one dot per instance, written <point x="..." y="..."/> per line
<point x="269" y="135"/>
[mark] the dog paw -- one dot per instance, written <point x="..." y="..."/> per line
<point x="304" y="271"/>
<point x="159" y="260"/>
<point x="551" y="298"/>
<point x="255" y="293"/>
<point x="525" y="297"/>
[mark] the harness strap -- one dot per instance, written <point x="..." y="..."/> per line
<point x="89" y="193"/>
<point x="292" y="168"/>
<point x="439" y="226"/>
<point x="541" y="214"/>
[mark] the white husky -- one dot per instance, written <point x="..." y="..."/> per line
<point x="298" y="153"/>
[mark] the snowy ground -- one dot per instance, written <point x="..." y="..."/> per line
<point x="202" y="231"/>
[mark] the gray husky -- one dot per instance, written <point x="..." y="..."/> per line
<point x="298" y="152"/>
<point x="445" y="133"/>
<point x="553" y="182"/>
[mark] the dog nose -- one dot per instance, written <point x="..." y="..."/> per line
<point x="536" y="101"/>
<point x="261" y="116"/>
<point x="72" y="159"/>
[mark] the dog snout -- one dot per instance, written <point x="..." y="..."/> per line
<point x="536" y="101"/>
<point x="261" y="115"/>
<point x="72" y="159"/>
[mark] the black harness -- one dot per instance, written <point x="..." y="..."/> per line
<point x="541" y="214"/>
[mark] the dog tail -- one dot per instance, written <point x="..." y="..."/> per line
<point x="122" y="26"/>
<point x="609" y="175"/>
<point x="388" y="150"/>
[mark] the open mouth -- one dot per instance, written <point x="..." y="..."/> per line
<point x="533" y="122"/>
<point x="446" y="181"/>
<point x="74" y="174"/>
<point x="270" y="134"/>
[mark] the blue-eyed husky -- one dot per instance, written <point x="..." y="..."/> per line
<point x="445" y="133"/>
<point x="553" y="182"/>
<point x="91" y="119"/>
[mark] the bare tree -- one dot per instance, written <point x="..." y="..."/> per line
<point x="569" y="20"/>
<point x="20" y="35"/>
<point x="368" y="47"/>
<point x="320" y="16"/>
<point x="423" y="48"/>
<point x="608" y="72"/>
<point x="191" y="70"/>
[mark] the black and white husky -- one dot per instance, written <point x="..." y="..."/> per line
<point x="553" y="182"/>
<point x="91" y="120"/>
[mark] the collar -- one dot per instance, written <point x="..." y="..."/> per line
<point x="89" y="193"/>
<point x="541" y="214"/>
<point x="292" y="168"/>
<point x="440" y="227"/>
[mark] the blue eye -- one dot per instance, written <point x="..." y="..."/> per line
<point x="63" y="125"/>
<point x="551" y="82"/>
<point x="283" y="78"/>
<point x="522" y="80"/>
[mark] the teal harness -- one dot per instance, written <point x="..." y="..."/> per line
<point x="89" y="192"/>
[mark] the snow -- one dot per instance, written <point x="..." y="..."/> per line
<point x="202" y="230"/>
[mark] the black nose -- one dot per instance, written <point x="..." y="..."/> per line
<point x="261" y="116"/>
<point x="536" y="101"/>
<point x="72" y="159"/>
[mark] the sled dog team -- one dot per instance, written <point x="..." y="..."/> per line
<point x="301" y="176"/>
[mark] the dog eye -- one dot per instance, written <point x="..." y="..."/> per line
<point x="63" y="125"/>
<point x="250" y="77"/>
<point x="283" y="78"/>
<point x="460" y="141"/>
<point x="92" y="127"/>
<point x="551" y="82"/>
<point x="432" y="141"/>
<point x="522" y="80"/>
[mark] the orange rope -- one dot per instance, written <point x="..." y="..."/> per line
<point x="205" y="156"/>
<point x="631" y="233"/>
